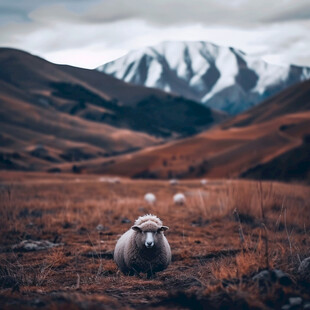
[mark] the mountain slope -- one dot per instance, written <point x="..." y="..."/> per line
<point x="292" y="100"/>
<point x="97" y="97"/>
<point x="271" y="136"/>
<point x="220" y="77"/>
<point x="34" y="138"/>
<point x="52" y="114"/>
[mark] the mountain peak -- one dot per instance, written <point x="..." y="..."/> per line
<point x="224" y="78"/>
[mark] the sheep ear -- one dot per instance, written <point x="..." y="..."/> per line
<point x="136" y="228"/>
<point x="163" y="228"/>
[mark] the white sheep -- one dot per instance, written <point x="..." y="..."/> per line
<point x="179" y="199"/>
<point x="174" y="182"/>
<point x="109" y="180"/>
<point x="150" y="198"/>
<point x="114" y="180"/>
<point x="144" y="247"/>
<point x="203" y="182"/>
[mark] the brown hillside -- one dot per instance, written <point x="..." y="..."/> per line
<point x="53" y="114"/>
<point x="251" y="140"/>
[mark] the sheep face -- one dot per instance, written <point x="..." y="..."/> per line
<point x="148" y="236"/>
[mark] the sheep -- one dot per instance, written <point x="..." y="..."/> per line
<point x="109" y="180"/>
<point x="203" y="182"/>
<point x="143" y="248"/>
<point x="174" y="182"/>
<point x="114" y="181"/>
<point x="150" y="198"/>
<point x="179" y="199"/>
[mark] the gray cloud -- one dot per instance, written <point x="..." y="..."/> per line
<point x="207" y="12"/>
<point x="46" y="27"/>
<point x="292" y="13"/>
<point x="165" y="12"/>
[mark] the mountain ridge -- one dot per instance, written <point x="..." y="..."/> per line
<point x="56" y="113"/>
<point x="260" y="143"/>
<point x="223" y="78"/>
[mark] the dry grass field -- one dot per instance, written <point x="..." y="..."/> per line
<point x="216" y="250"/>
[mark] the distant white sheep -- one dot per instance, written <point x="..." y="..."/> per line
<point x="203" y="182"/>
<point x="115" y="181"/>
<point x="143" y="248"/>
<point x="109" y="180"/>
<point x="174" y="182"/>
<point x="179" y="199"/>
<point x="150" y="198"/>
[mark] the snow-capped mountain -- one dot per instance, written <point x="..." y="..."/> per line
<point x="223" y="78"/>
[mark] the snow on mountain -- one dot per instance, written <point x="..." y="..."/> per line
<point x="223" y="78"/>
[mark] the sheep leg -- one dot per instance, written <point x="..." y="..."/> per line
<point x="151" y="275"/>
<point x="134" y="272"/>
<point x="131" y="273"/>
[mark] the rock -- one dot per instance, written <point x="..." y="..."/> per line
<point x="31" y="245"/>
<point x="307" y="306"/>
<point x="295" y="301"/>
<point x="304" y="269"/>
<point x="282" y="277"/>
<point x="100" y="227"/>
<point x="125" y="220"/>
<point x="267" y="277"/>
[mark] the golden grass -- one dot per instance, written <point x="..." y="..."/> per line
<point x="212" y="262"/>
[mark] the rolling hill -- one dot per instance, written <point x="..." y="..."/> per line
<point x="222" y="78"/>
<point x="54" y="114"/>
<point x="270" y="141"/>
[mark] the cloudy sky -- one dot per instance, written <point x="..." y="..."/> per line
<point x="88" y="33"/>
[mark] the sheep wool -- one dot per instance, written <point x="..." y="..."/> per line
<point x="179" y="199"/>
<point x="143" y="248"/>
<point x="203" y="182"/>
<point x="174" y="182"/>
<point x="150" y="198"/>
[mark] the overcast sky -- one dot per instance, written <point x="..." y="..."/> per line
<point x="88" y="33"/>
